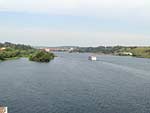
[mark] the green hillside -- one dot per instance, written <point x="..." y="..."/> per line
<point x="143" y="52"/>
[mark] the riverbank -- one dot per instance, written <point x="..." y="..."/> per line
<point x="140" y="52"/>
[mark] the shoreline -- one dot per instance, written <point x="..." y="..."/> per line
<point x="123" y="55"/>
<point x="16" y="58"/>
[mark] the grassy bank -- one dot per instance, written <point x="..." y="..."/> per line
<point x="141" y="52"/>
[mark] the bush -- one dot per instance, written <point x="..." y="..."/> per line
<point x="41" y="56"/>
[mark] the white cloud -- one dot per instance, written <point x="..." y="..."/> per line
<point x="134" y="12"/>
<point x="137" y="11"/>
<point x="72" y="6"/>
<point x="40" y="36"/>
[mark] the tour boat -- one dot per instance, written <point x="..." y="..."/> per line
<point x="93" y="58"/>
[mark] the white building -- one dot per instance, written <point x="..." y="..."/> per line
<point x="127" y="53"/>
<point x="3" y="48"/>
<point x="47" y="49"/>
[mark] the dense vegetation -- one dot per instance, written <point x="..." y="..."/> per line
<point x="16" y="46"/>
<point x="13" y="51"/>
<point x="101" y="49"/>
<point x="41" y="56"/>
<point x="143" y="52"/>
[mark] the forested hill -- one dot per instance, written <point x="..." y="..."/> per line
<point x="16" y="46"/>
<point x="136" y="51"/>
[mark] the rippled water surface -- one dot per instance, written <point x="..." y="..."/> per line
<point x="72" y="84"/>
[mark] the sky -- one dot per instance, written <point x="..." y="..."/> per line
<point x="75" y="22"/>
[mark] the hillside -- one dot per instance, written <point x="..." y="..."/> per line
<point x="143" y="52"/>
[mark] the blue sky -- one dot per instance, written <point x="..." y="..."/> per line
<point x="75" y="22"/>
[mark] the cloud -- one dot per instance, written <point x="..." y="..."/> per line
<point x="52" y="37"/>
<point x="72" y="6"/>
<point x="137" y="11"/>
<point x="119" y="16"/>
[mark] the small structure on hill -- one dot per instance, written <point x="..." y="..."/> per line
<point x="2" y="49"/>
<point x="126" y="54"/>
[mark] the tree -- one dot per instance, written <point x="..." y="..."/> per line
<point x="41" y="56"/>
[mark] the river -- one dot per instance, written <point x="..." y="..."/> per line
<point x="72" y="84"/>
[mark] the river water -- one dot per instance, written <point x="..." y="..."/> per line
<point x="72" y="84"/>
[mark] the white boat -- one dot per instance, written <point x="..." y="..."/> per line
<point x="93" y="58"/>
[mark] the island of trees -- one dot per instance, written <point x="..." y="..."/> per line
<point x="41" y="56"/>
<point x="14" y="51"/>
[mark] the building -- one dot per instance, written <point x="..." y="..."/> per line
<point x="70" y="50"/>
<point x="2" y="49"/>
<point x="126" y="54"/>
<point x="47" y="49"/>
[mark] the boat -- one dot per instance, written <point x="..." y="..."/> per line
<point x="92" y="58"/>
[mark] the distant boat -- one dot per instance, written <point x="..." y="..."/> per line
<point x="93" y="58"/>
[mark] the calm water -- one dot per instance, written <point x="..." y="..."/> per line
<point x="72" y="84"/>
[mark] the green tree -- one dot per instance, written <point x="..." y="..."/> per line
<point x="41" y="56"/>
